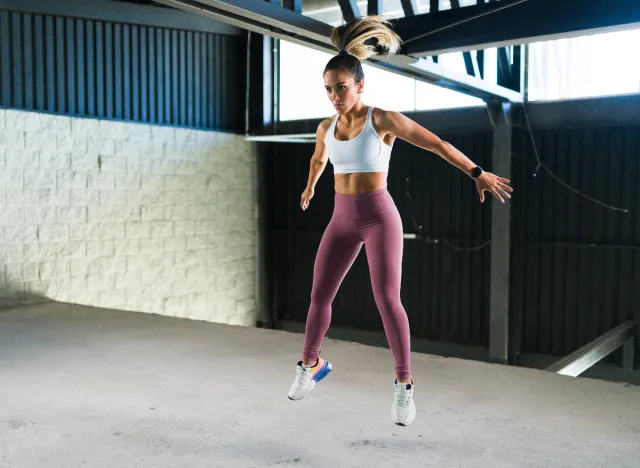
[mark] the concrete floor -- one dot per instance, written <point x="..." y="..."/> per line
<point x="84" y="387"/>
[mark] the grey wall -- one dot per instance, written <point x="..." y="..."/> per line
<point x="575" y="265"/>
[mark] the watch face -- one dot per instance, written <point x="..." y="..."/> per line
<point x="476" y="172"/>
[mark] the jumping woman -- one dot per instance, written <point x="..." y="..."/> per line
<point x="357" y="141"/>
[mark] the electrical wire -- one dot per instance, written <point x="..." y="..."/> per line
<point x="432" y="240"/>
<point x="555" y="177"/>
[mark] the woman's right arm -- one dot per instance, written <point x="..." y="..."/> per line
<point x="317" y="164"/>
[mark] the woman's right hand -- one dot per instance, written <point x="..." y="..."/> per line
<point x="306" y="197"/>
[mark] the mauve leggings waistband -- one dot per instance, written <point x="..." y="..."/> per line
<point x="362" y="204"/>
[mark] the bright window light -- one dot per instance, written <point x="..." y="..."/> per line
<point x="301" y="82"/>
<point x="587" y="66"/>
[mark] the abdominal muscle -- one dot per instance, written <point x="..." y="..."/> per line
<point x="360" y="182"/>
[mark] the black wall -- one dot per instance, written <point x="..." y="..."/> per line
<point x="575" y="265"/>
<point x="442" y="289"/>
<point x="576" y="269"/>
<point x="121" y="69"/>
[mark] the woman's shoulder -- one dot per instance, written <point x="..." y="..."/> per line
<point x="324" y="125"/>
<point x="382" y="118"/>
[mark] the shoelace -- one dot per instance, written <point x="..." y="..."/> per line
<point x="300" y="373"/>
<point x="402" y="397"/>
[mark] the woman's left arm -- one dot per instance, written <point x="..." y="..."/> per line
<point x="402" y="127"/>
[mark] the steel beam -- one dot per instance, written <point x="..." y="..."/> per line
<point x="469" y="62"/>
<point x="374" y="7"/>
<point x="350" y="10"/>
<point x="293" y="5"/>
<point x="408" y="7"/>
<point x="590" y="354"/>
<point x="501" y="115"/>
<point x="280" y="23"/>
<point x="512" y="22"/>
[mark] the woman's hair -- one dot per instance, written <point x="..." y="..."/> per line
<point x="359" y="40"/>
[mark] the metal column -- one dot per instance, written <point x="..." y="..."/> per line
<point x="501" y="115"/>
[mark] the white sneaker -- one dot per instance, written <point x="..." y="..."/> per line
<point x="306" y="379"/>
<point x="403" y="411"/>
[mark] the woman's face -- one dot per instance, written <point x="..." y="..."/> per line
<point x="342" y="90"/>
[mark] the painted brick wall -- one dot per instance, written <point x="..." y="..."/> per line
<point x="128" y="216"/>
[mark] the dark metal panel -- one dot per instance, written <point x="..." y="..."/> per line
<point x="136" y="70"/>
<point x="70" y="42"/>
<point x="29" y="74"/>
<point x="119" y="58"/>
<point x="443" y="289"/>
<point x="81" y="67"/>
<point x="16" y="63"/>
<point x="142" y="58"/>
<point x="103" y="10"/>
<point x="5" y="57"/>
<point x="109" y="71"/>
<point x="152" y="102"/>
<point x="196" y="82"/>
<point x="101" y="92"/>
<point x="82" y="72"/>
<point x="580" y="262"/>
<point x="60" y="68"/>
<point x="50" y="75"/>
<point x="91" y="68"/>
<point x="182" y="76"/>
<point x="39" y="59"/>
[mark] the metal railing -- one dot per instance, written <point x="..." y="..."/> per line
<point x="590" y="354"/>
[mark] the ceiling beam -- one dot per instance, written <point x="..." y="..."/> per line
<point x="374" y="7"/>
<point x="280" y="23"/>
<point x="512" y="22"/>
<point x="350" y="10"/>
<point x="293" y="5"/>
<point x="409" y="7"/>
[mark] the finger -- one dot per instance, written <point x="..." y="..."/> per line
<point x="502" y="179"/>
<point x="505" y="187"/>
<point x="481" y="192"/>
<point x="497" y="195"/>
<point x="503" y="192"/>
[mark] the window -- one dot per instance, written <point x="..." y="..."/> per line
<point x="587" y="66"/>
<point x="301" y="81"/>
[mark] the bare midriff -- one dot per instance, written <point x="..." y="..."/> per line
<point x="360" y="182"/>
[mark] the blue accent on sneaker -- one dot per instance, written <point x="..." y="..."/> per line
<point x="326" y="368"/>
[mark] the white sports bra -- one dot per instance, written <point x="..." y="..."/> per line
<point x="364" y="153"/>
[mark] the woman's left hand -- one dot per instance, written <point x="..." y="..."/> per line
<point x="498" y="186"/>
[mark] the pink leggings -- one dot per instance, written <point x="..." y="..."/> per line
<point x="371" y="219"/>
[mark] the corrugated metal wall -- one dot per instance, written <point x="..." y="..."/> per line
<point x="577" y="272"/>
<point x="575" y="266"/>
<point x="443" y="290"/>
<point x="119" y="71"/>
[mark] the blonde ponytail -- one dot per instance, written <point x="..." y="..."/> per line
<point x="366" y="37"/>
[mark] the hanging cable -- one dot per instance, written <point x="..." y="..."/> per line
<point x="555" y="177"/>
<point x="431" y="240"/>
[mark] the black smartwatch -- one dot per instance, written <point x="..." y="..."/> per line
<point x="475" y="172"/>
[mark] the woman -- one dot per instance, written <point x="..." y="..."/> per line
<point x="358" y="140"/>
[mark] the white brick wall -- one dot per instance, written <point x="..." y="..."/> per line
<point x="128" y="216"/>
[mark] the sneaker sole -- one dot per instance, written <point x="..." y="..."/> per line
<point x="324" y="372"/>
